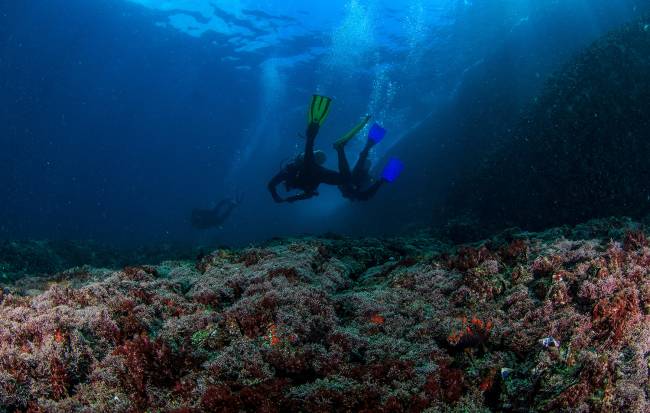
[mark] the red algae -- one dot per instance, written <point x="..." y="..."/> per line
<point x="550" y="321"/>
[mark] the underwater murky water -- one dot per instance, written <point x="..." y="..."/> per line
<point x="478" y="169"/>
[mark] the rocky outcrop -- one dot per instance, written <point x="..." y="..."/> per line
<point x="581" y="151"/>
<point x="521" y="322"/>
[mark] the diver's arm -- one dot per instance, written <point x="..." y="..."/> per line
<point x="301" y="197"/>
<point x="363" y="156"/>
<point x="273" y="184"/>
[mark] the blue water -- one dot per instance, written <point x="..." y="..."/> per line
<point x="118" y="117"/>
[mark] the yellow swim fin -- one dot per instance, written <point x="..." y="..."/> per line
<point x="348" y="136"/>
<point x="319" y="109"/>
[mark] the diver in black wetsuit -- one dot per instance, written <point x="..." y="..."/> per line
<point x="358" y="185"/>
<point x="306" y="172"/>
<point x="215" y="217"/>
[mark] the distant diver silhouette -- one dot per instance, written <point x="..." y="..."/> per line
<point x="215" y="217"/>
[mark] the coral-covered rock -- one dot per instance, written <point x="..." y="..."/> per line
<point x="546" y="321"/>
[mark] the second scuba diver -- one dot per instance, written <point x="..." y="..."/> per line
<point x="358" y="185"/>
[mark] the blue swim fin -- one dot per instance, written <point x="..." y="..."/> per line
<point x="376" y="133"/>
<point x="392" y="170"/>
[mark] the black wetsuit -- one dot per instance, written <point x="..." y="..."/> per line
<point x="304" y="174"/>
<point x="357" y="185"/>
<point x="211" y="218"/>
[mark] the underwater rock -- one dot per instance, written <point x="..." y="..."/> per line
<point x="581" y="151"/>
<point x="337" y="324"/>
<point x="35" y="257"/>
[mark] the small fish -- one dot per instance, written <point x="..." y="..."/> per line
<point x="505" y="372"/>
<point x="550" y="342"/>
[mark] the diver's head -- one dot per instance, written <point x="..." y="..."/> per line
<point x="320" y="157"/>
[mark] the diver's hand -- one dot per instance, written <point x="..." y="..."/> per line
<point x="302" y="197"/>
<point x="295" y="198"/>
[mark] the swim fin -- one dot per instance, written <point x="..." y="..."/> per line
<point x="348" y="136"/>
<point x="376" y="133"/>
<point x="319" y="109"/>
<point x="392" y="170"/>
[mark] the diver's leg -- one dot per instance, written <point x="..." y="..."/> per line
<point x="310" y="135"/>
<point x="363" y="156"/>
<point x="329" y="177"/>
<point x="221" y="204"/>
<point x="371" y="191"/>
<point x="344" y="166"/>
<point x="223" y="216"/>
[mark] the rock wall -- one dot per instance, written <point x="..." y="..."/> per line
<point x="581" y="151"/>
<point x="485" y="107"/>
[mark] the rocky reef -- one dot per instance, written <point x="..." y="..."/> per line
<point x="550" y="321"/>
<point x="35" y="257"/>
<point x="580" y="152"/>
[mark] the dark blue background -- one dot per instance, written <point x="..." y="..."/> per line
<point x="114" y="128"/>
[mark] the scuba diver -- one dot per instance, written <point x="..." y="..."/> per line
<point x="215" y="217"/>
<point x="306" y="172"/>
<point x="358" y="185"/>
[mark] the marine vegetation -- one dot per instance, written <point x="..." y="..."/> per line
<point x="550" y="321"/>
